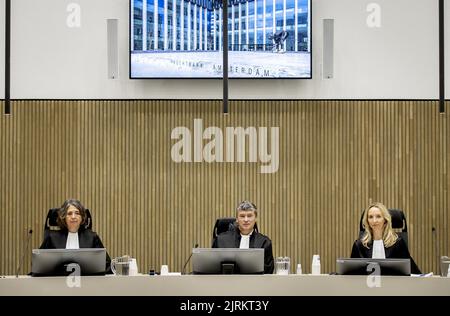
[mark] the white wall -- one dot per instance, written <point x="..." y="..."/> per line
<point x="398" y="60"/>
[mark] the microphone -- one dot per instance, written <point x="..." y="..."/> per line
<point x="23" y="254"/>
<point x="187" y="261"/>
<point x="436" y="248"/>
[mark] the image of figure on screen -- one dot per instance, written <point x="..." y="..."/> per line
<point x="379" y="240"/>
<point x="183" y="38"/>
<point x="244" y="234"/>
<point x="71" y="231"/>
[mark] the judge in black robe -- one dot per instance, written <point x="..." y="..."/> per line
<point x="71" y="217"/>
<point x="246" y="214"/>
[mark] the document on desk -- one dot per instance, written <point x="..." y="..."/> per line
<point x="426" y="275"/>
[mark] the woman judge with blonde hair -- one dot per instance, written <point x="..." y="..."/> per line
<point x="379" y="239"/>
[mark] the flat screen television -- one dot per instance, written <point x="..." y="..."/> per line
<point x="183" y="39"/>
<point x="368" y="266"/>
<point x="48" y="262"/>
<point x="227" y="261"/>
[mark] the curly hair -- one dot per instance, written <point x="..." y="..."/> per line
<point x="62" y="213"/>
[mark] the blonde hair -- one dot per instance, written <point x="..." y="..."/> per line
<point x="389" y="236"/>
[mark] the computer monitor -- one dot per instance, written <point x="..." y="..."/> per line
<point x="48" y="262"/>
<point x="227" y="261"/>
<point x="445" y="263"/>
<point x="368" y="266"/>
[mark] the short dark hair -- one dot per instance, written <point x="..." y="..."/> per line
<point x="246" y="206"/>
<point x="62" y="213"/>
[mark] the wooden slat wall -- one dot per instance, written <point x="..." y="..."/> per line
<point x="115" y="156"/>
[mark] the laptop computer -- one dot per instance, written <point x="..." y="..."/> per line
<point x="85" y="261"/>
<point x="368" y="266"/>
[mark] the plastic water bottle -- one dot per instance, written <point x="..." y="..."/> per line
<point x="299" y="268"/>
<point x="315" y="268"/>
<point x="448" y="271"/>
<point x="133" y="267"/>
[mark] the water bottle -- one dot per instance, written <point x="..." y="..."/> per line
<point x="448" y="271"/>
<point x="133" y="267"/>
<point x="315" y="267"/>
<point x="299" y="268"/>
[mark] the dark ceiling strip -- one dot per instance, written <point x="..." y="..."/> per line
<point x="7" y="56"/>
<point x="441" y="58"/>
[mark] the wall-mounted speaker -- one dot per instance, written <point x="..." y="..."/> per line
<point x="112" y="28"/>
<point x="328" y="49"/>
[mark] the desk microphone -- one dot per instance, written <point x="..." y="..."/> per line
<point x="23" y="254"/>
<point x="187" y="261"/>
<point x="436" y="248"/>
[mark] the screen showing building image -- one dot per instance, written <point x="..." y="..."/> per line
<point x="183" y="38"/>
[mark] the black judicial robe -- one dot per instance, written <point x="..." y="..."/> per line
<point x="232" y="239"/>
<point x="398" y="250"/>
<point x="86" y="239"/>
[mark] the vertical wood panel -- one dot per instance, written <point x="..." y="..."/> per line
<point x="115" y="156"/>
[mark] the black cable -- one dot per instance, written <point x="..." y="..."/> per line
<point x="225" y="55"/>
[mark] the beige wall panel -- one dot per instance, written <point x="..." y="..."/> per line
<point x="115" y="156"/>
